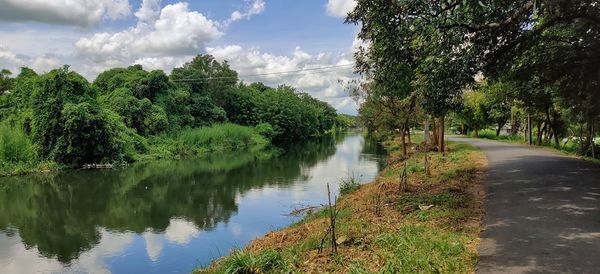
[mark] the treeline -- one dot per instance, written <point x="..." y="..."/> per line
<point x="128" y="114"/>
<point x="529" y="67"/>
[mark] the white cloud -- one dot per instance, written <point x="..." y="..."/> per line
<point x="340" y="8"/>
<point x="164" y="63"/>
<point x="45" y="63"/>
<point x="149" y="11"/>
<point x="83" y="13"/>
<point x="181" y="231"/>
<point x="172" y="31"/>
<point x="9" y="59"/>
<point x="256" y="66"/>
<point x="255" y="7"/>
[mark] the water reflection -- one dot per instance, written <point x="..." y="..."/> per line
<point x="165" y="216"/>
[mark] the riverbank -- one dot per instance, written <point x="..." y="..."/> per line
<point x="18" y="154"/>
<point x="433" y="227"/>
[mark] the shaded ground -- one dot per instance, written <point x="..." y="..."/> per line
<point x="542" y="211"/>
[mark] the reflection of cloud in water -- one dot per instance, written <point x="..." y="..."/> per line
<point x="181" y="231"/>
<point x="18" y="259"/>
<point x="154" y="245"/>
<point x="235" y="228"/>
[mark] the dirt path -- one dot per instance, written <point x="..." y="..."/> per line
<point x="542" y="211"/>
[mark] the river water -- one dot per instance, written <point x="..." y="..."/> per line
<point x="168" y="216"/>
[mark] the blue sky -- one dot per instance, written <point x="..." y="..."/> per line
<point x="255" y="36"/>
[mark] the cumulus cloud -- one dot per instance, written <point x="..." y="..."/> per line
<point x="45" y="63"/>
<point x="255" y="7"/>
<point x="340" y="8"/>
<point x="9" y="59"/>
<point x="174" y="30"/>
<point x="13" y="62"/>
<point x="82" y="13"/>
<point x="299" y="69"/>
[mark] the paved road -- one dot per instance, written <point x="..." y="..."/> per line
<point x="542" y="211"/>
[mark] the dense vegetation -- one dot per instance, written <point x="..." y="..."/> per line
<point x="482" y="64"/>
<point x="129" y="114"/>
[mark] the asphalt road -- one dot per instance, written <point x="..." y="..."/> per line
<point x="542" y="211"/>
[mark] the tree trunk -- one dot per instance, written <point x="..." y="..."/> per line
<point x="498" y="130"/>
<point x="592" y="139"/>
<point x="403" y="134"/>
<point x="426" y="131"/>
<point x="476" y="131"/>
<point x="434" y="131"/>
<point x="555" y="129"/>
<point x="442" y="147"/>
<point x="539" y="134"/>
<point x="529" y="127"/>
<point x="408" y="133"/>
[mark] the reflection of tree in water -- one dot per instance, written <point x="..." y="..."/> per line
<point x="373" y="151"/>
<point x="60" y="213"/>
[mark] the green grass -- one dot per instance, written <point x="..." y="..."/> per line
<point x="491" y="135"/>
<point x="349" y="185"/>
<point x="205" y="140"/>
<point x="419" y="249"/>
<point x="18" y="153"/>
<point x="220" y="137"/>
<point x="242" y="262"/>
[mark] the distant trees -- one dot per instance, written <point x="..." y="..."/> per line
<point x="128" y="111"/>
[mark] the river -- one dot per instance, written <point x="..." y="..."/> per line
<point x="168" y="216"/>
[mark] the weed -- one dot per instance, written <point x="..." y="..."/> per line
<point x="349" y="185"/>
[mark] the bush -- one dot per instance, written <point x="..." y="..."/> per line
<point x="491" y="135"/>
<point x="15" y="147"/>
<point x="266" y="130"/>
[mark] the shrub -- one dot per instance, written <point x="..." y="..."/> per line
<point x="15" y="147"/>
<point x="266" y="130"/>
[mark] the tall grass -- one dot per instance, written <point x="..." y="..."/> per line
<point x="243" y="262"/>
<point x="349" y="185"/>
<point x="17" y="152"/>
<point x="220" y="137"/>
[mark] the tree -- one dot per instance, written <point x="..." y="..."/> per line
<point x="68" y="118"/>
<point x="5" y="81"/>
<point x="206" y="76"/>
<point x="404" y="36"/>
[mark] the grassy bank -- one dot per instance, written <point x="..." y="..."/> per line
<point x="18" y="153"/>
<point x="431" y="228"/>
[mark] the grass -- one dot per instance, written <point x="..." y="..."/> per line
<point x="18" y="153"/>
<point x="433" y="228"/>
<point x="242" y="262"/>
<point x="349" y="185"/>
<point x="203" y="141"/>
